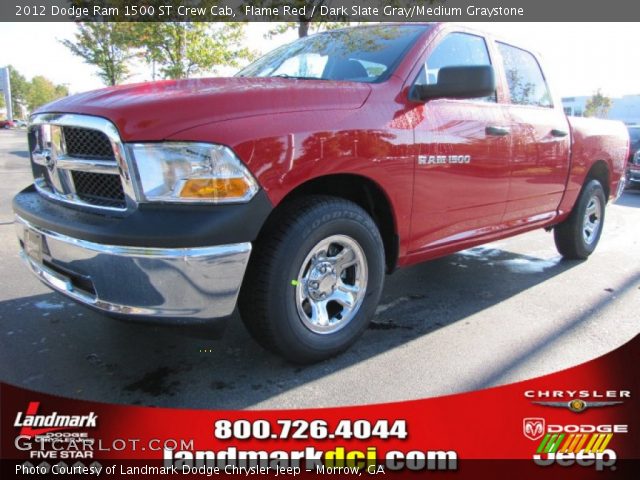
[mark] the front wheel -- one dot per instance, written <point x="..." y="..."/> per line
<point x="314" y="279"/>
<point x="577" y="237"/>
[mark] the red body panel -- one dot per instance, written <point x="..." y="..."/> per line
<point x="453" y="202"/>
<point x="539" y="161"/>
<point x="155" y="110"/>
<point x="592" y="141"/>
<point x="289" y="132"/>
<point x="286" y="150"/>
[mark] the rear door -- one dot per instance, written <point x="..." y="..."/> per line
<point x="540" y="139"/>
<point x="462" y="175"/>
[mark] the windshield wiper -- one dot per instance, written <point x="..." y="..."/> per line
<point x="295" y="77"/>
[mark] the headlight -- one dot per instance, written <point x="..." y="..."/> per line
<point x="191" y="172"/>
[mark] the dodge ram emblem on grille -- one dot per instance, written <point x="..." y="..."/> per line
<point x="50" y="161"/>
<point x="50" y="141"/>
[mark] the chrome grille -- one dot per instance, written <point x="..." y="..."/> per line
<point x="80" y="160"/>
<point x="86" y="143"/>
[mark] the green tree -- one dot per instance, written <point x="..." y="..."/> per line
<point x="107" y="46"/>
<point x="307" y="23"/>
<point x="2" y="103"/>
<point x="184" y="49"/>
<point x="42" y="90"/>
<point x="598" y="105"/>
<point x="304" y="27"/>
<point x="312" y="21"/>
<point x="19" y="91"/>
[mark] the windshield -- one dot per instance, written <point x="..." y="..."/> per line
<point x="634" y="133"/>
<point x="366" y="54"/>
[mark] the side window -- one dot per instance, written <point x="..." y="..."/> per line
<point x="526" y="82"/>
<point x="456" y="50"/>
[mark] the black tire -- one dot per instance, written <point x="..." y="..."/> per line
<point x="571" y="240"/>
<point x="268" y="302"/>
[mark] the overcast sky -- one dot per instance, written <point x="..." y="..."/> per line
<point x="580" y="57"/>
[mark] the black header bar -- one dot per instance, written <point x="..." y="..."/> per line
<point x="318" y="10"/>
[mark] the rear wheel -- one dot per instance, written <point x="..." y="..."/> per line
<point x="314" y="279"/>
<point x="578" y="236"/>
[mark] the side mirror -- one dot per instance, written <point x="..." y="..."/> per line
<point x="458" y="82"/>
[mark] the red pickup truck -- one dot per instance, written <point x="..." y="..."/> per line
<point x="293" y="187"/>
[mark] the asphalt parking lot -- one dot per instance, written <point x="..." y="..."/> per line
<point x="491" y="315"/>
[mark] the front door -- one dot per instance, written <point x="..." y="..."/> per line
<point x="462" y="175"/>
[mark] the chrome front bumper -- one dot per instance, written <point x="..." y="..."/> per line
<point x="178" y="284"/>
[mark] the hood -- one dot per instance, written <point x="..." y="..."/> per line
<point x="156" y="110"/>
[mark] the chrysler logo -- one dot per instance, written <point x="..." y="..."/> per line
<point x="577" y="405"/>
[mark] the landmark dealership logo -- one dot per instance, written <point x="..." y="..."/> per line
<point x="31" y="423"/>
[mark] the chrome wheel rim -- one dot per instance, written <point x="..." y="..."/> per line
<point x="331" y="284"/>
<point x="592" y="220"/>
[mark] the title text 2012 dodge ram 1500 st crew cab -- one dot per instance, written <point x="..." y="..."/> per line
<point x="291" y="188"/>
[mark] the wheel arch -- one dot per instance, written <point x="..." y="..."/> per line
<point x="364" y="192"/>
<point x="600" y="171"/>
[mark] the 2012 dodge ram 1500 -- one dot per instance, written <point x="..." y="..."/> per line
<point x="291" y="188"/>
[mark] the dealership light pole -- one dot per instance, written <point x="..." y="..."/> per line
<point x="5" y="86"/>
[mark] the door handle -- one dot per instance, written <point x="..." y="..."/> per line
<point x="559" y="133"/>
<point x="497" y="131"/>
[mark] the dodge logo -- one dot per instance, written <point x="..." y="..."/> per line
<point x="50" y="161"/>
<point x="533" y="428"/>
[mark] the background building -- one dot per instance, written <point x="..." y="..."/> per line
<point x="625" y="109"/>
